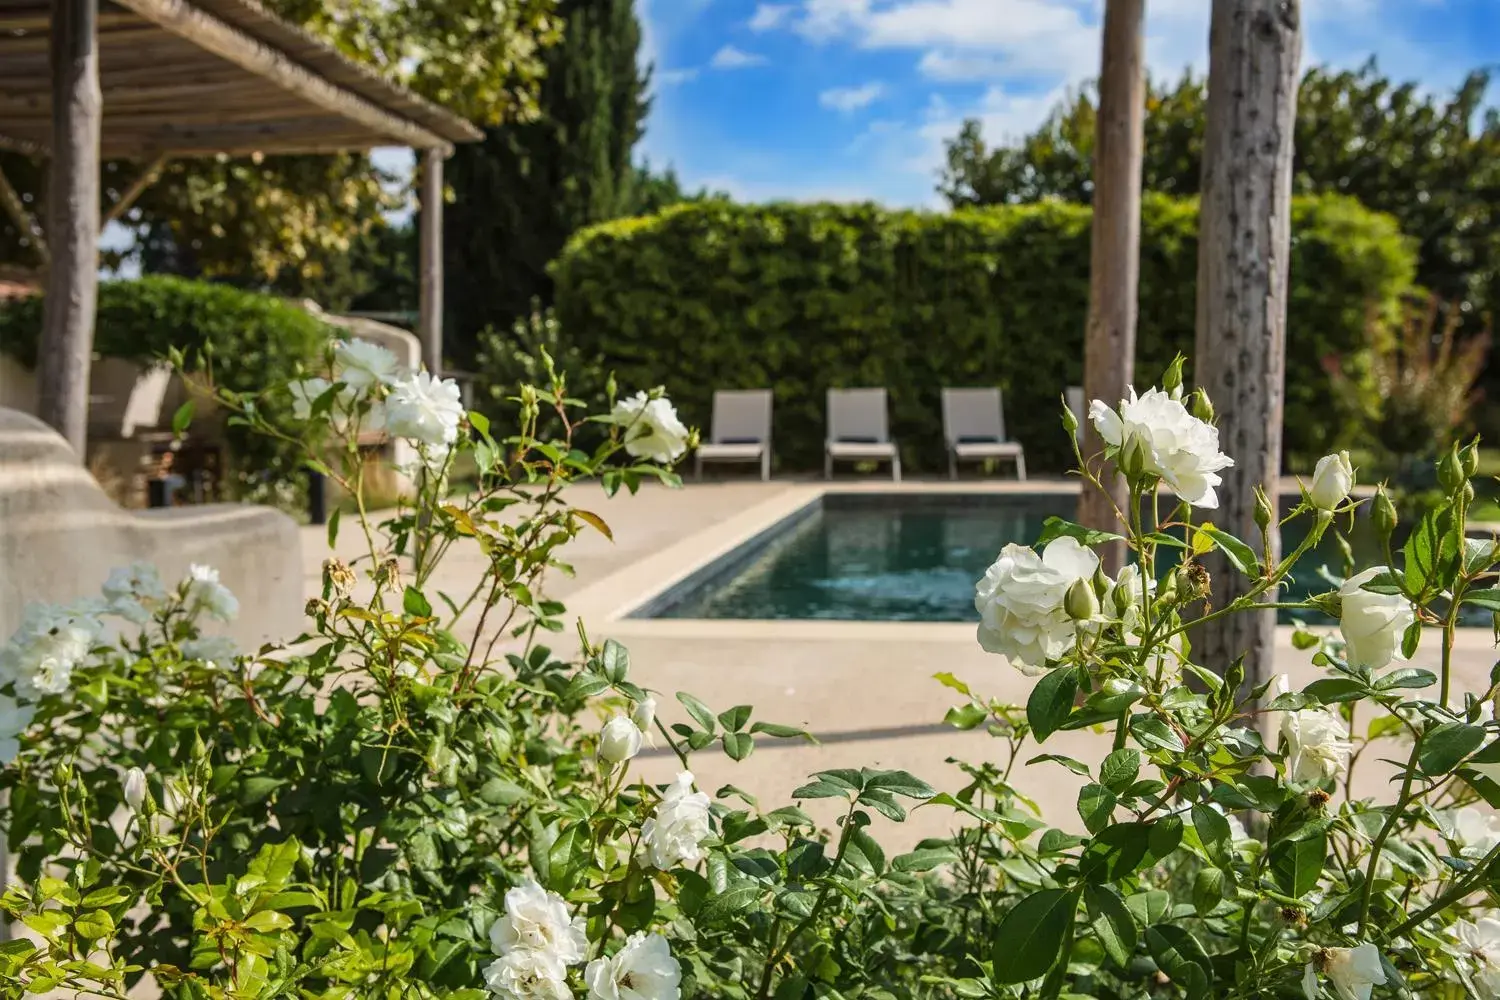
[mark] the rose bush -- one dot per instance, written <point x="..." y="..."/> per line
<point x="418" y="798"/>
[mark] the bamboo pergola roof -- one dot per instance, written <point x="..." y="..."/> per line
<point x="198" y="77"/>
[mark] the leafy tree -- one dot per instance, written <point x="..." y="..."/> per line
<point x="1432" y="161"/>
<point x="526" y="188"/>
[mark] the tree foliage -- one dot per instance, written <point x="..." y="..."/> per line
<point x="1430" y="160"/>
<point x="526" y="188"/>
<point x="289" y="221"/>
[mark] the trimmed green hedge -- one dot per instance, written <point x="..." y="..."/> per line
<point x="804" y="297"/>
<point x="257" y="340"/>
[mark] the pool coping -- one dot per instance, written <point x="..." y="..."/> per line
<point x="609" y="603"/>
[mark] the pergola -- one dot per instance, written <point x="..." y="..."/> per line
<point x="149" y="80"/>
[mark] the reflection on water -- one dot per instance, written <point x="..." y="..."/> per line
<point x="909" y="558"/>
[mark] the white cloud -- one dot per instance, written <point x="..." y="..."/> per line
<point x="672" y="77"/>
<point x="848" y="99"/>
<point x="950" y="67"/>
<point x="730" y="57"/>
<point x="769" y="16"/>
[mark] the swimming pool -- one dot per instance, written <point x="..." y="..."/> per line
<point x="895" y="557"/>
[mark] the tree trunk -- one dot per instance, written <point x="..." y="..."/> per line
<point x="67" y="344"/>
<point x="1114" y="264"/>
<point x="1243" y="251"/>
<point x="430" y="254"/>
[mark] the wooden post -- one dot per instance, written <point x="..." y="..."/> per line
<point x="430" y="294"/>
<point x="1244" y="242"/>
<point x="1115" y="257"/>
<point x="67" y="344"/>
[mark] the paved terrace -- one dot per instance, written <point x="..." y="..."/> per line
<point x="865" y="688"/>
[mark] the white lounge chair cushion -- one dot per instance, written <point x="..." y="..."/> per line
<point x="732" y="451"/>
<point x="861" y="449"/>
<point x="987" y="449"/>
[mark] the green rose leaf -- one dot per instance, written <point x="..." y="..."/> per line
<point x="1119" y="770"/>
<point x="1296" y="865"/>
<point x="1030" y="938"/>
<point x="738" y="745"/>
<point x="1051" y="701"/>
<point x="1445" y="746"/>
<point x="1179" y="955"/>
<point x="416" y="604"/>
<point x="1095" y="806"/>
<point x="699" y="711"/>
<point x="1112" y="922"/>
<point x="1056" y="527"/>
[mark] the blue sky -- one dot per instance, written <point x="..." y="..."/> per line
<point x="852" y="99"/>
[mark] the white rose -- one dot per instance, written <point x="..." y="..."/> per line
<point x="644" y="717"/>
<point x="205" y="593"/>
<point x="425" y="409"/>
<point x="131" y="590"/>
<point x="525" y="974"/>
<point x="50" y="642"/>
<point x="651" y="428"/>
<point x="1317" y="745"/>
<point x="15" y="717"/>
<point x="1352" y="972"/>
<point x="1475" y="832"/>
<point x="1020" y="601"/>
<point x="537" y="920"/>
<point x="643" y="969"/>
<point x="1372" y="624"/>
<point x="619" y="740"/>
<point x="361" y="365"/>
<point x="674" y="833"/>
<point x="1333" y="478"/>
<point x="134" y="784"/>
<point x="215" y="650"/>
<point x="1480" y="943"/>
<point x="1177" y="446"/>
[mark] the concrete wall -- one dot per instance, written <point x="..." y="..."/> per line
<point x="60" y="536"/>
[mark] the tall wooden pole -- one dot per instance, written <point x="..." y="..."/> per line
<point x="430" y="295"/>
<point x="1244" y="243"/>
<point x="67" y="344"/>
<point x="1115" y="259"/>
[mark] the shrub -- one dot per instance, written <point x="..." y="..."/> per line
<point x="807" y="297"/>
<point x="402" y="807"/>
<point x="509" y="359"/>
<point x="254" y="340"/>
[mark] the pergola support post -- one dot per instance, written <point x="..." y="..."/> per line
<point x="67" y="343"/>
<point x="430" y="261"/>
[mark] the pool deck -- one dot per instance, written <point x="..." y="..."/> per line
<point x="865" y="688"/>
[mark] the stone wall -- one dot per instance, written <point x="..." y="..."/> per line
<point x="60" y="535"/>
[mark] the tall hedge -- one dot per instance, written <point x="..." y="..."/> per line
<point x="257" y="340"/>
<point x="805" y="297"/>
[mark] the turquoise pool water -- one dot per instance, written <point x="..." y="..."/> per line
<point x="871" y="557"/>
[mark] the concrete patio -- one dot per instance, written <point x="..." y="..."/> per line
<point x="866" y="689"/>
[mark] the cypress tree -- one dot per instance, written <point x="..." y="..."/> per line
<point x="527" y="187"/>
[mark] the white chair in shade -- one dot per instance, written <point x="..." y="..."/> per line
<point x="974" y="427"/>
<point x="859" y="431"/>
<point x="741" y="430"/>
<point x="1079" y="406"/>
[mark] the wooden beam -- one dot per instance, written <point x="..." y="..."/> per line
<point x="430" y="264"/>
<point x="16" y="144"/>
<point x="240" y="49"/>
<point x="67" y="343"/>
<point x="14" y="207"/>
<point x="1115" y="258"/>
<point x="143" y="180"/>
<point x="1244" y="249"/>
